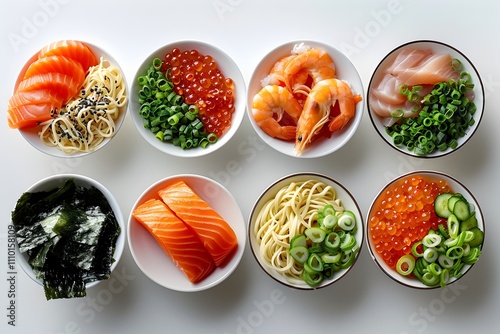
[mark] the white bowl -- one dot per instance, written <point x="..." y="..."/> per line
<point x="345" y="70"/>
<point x="57" y="181"/>
<point x="228" y="68"/>
<point x="155" y="263"/>
<point x="31" y="134"/>
<point x="436" y="47"/>
<point x="456" y="187"/>
<point x="347" y="200"/>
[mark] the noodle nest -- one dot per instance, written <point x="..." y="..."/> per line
<point x="293" y="209"/>
<point x="88" y="119"/>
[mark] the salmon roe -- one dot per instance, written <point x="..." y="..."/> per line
<point x="199" y="81"/>
<point x="403" y="214"/>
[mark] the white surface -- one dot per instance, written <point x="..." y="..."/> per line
<point x="249" y="301"/>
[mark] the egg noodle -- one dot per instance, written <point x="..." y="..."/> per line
<point x="84" y="122"/>
<point x="293" y="209"/>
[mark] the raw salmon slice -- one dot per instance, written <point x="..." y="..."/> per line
<point x="39" y="96"/>
<point x="60" y="84"/>
<point x="56" y="64"/>
<point x="72" y="49"/>
<point x="177" y="240"/>
<point x="216" y="234"/>
<point x="29" y="115"/>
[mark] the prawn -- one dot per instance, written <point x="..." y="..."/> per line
<point x="316" y="112"/>
<point x="276" y="75"/>
<point x="269" y="106"/>
<point x="316" y="63"/>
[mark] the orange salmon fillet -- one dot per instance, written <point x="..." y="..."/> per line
<point x="176" y="239"/>
<point x="59" y="68"/>
<point x="28" y="115"/>
<point x="56" y="64"/>
<point x="216" y="234"/>
<point x="75" y="50"/>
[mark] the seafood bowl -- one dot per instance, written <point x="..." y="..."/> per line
<point x="326" y="142"/>
<point x="294" y="184"/>
<point x="384" y="99"/>
<point x="227" y="67"/>
<point x="57" y="181"/>
<point x="397" y="228"/>
<point x="157" y="265"/>
<point x="32" y="136"/>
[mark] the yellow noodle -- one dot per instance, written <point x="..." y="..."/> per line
<point x="85" y="121"/>
<point x="293" y="209"/>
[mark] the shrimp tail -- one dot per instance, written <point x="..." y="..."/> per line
<point x="347" y="106"/>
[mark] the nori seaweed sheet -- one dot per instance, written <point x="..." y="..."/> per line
<point x="80" y="245"/>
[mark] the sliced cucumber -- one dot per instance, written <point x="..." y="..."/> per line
<point x="469" y="223"/>
<point x="452" y="200"/>
<point x="441" y="205"/>
<point x="478" y="237"/>
<point x="461" y="209"/>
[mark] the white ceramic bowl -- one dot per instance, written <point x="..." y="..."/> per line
<point x="436" y="47"/>
<point x="57" y="181"/>
<point x="345" y="70"/>
<point x="347" y="200"/>
<point x="156" y="264"/>
<point x="31" y="134"/>
<point x="456" y="187"/>
<point x="228" y="68"/>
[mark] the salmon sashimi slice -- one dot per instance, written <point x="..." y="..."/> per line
<point x="56" y="64"/>
<point x="60" y="84"/>
<point x="180" y="243"/>
<point x="72" y="49"/>
<point x="29" y="115"/>
<point x="434" y="69"/>
<point x="406" y="58"/>
<point x="39" y="96"/>
<point x="216" y="234"/>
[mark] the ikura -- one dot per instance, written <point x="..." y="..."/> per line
<point x="403" y="214"/>
<point x="199" y="81"/>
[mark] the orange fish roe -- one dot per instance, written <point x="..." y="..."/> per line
<point x="199" y="81"/>
<point x="403" y="214"/>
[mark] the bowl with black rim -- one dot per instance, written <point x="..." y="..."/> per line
<point x="425" y="99"/>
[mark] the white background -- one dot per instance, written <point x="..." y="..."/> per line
<point x="249" y="302"/>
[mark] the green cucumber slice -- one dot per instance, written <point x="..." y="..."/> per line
<point x="441" y="205"/>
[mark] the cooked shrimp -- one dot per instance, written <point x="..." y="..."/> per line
<point x="316" y="63"/>
<point x="276" y="75"/>
<point x="269" y="106"/>
<point x="316" y="112"/>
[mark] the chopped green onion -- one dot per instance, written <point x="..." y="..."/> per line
<point x="405" y="265"/>
<point x="165" y="113"/>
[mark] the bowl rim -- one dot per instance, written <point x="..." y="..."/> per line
<point x="228" y="269"/>
<point x="228" y="64"/>
<point x="284" y="178"/>
<point x="348" y="132"/>
<point x="433" y="173"/>
<point x="86" y="181"/>
<point x="99" y="52"/>
<point x="480" y="85"/>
